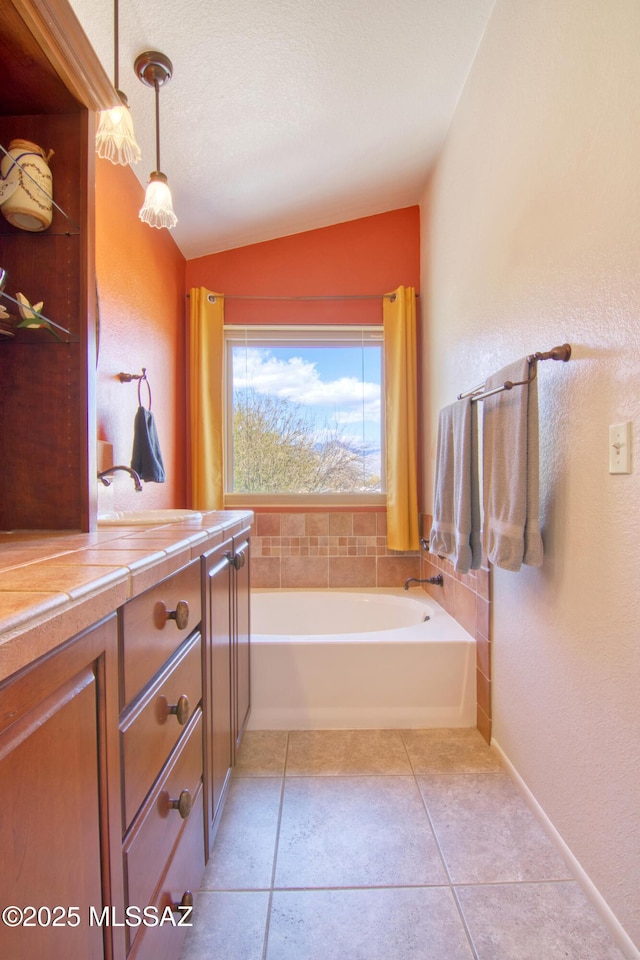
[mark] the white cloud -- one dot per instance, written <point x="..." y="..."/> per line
<point x="346" y="399"/>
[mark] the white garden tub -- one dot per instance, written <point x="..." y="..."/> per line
<point x="332" y="659"/>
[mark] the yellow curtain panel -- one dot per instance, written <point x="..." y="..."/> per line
<point x="206" y="359"/>
<point x="401" y="418"/>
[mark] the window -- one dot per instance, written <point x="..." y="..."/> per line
<point x="304" y="414"/>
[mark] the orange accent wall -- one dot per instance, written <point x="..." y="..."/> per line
<point x="372" y="255"/>
<point x="143" y="279"/>
<point x="141" y="283"/>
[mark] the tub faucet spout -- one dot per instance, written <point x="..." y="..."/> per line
<point x="437" y="581"/>
<point x="104" y="476"/>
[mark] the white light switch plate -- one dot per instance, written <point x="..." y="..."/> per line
<point x="620" y="448"/>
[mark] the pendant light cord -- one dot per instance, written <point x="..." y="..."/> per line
<point x="156" y="86"/>
<point x="116" y="44"/>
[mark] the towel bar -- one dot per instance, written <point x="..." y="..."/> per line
<point x="562" y="352"/>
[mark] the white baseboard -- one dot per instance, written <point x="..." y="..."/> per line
<point x="610" y="920"/>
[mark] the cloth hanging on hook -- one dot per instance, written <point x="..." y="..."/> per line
<point x="146" y="457"/>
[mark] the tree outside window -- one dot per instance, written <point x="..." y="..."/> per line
<point x="305" y="412"/>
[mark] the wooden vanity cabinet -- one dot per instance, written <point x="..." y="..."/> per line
<point x="59" y="790"/>
<point x="217" y="627"/>
<point x="241" y="636"/>
<point x="116" y="753"/>
<point x="161" y="737"/>
<point x="226" y="667"/>
<point x="154" y="625"/>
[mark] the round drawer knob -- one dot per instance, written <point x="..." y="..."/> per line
<point x="236" y="560"/>
<point x="185" y="903"/>
<point x="180" y="710"/>
<point x="180" y="614"/>
<point x="183" y="804"/>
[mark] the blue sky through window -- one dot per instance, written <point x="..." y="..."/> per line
<point x="340" y="386"/>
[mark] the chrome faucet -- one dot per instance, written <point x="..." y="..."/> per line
<point x="104" y="476"/>
<point x="437" y="581"/>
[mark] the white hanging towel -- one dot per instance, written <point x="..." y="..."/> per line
<point x="511" y="497"/>
<point x="455" y="531"/>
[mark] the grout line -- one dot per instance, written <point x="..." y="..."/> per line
<point x="441" y="853"/>
<point x="456" y="887"/>
<point x="597" y="901"/>
<point x="205" y="890"/>
<point x="511" y="883"/>
<point x="351" y="776"/>
<point x="426" y="810"/>
<point x="371" y="886"/>
<point x="454" y="894"/>
<point x="455" y="884"/>
<point x="265" y="942"/>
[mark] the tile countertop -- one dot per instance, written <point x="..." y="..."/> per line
<point x="53" y="584"/>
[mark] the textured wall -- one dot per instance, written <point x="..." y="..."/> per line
<point x="531" y="236"/>
<point x="142" y="309"/>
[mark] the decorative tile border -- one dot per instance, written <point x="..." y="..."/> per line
<point x="322" y="549"/>
<point x="319" y="546"/>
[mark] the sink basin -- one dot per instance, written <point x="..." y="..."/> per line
<point x="125" y="518"/>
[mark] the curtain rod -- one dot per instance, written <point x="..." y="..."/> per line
<point x="361" y="296"/>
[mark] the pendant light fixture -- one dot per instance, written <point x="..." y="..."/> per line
<point x="155" y="69"/>
<point x="115" y="139"/>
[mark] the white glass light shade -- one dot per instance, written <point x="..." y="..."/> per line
<point x="157" y="209"/>
<point x="115" y="139"/>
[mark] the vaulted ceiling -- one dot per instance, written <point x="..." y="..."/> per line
<point x="287" y="115"/>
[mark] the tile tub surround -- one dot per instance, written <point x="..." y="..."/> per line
<point x="398" y="845"/>
<point x="467" y="598"/>
<point x="298" y="549"/>
<point x="327" y="549"/>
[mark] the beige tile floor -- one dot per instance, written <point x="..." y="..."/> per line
<point x="385" y="845"/>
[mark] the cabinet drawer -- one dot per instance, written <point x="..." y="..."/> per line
<point x="147" y="850"/>
<point x="153" y="727"/>
<point x="183" y="876"/>
<point x="153" y="626"/>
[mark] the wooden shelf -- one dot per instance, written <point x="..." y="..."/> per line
<point x="52" y="84"/>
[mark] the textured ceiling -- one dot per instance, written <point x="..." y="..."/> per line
<point x="287" y="115"/>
